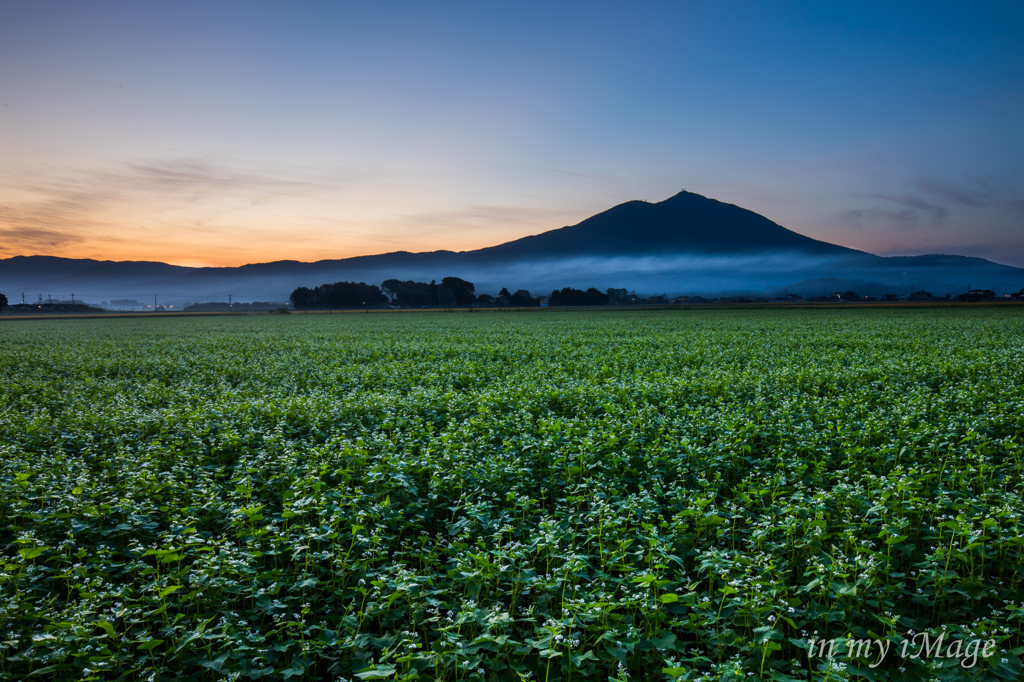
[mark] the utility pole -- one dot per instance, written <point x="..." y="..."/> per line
<point x="154" y="303"/>
<point x="72" y="300"/>
<point x="23" y="298"/>
<point x="229" y="301"/>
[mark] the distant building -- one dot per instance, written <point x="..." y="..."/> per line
<point x="794" y="298"/>
<point x="922" y="295"/>
<point x="975" y="295"/>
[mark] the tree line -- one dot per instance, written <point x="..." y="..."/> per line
<point x="452" y="292"/>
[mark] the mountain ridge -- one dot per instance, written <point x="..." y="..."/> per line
<point x="686" y="242"/>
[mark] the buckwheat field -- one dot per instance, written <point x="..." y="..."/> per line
<point x="634" y="495"/>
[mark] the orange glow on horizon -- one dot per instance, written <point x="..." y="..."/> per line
<point x="230" y="247"/>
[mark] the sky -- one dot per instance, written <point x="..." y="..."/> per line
<point x="224" y="133"/>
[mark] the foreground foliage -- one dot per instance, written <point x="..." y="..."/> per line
<point x="579" y="496"/>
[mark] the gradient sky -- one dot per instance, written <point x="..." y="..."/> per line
<point x="221" y="133"/>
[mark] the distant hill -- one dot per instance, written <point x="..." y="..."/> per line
<point x="685" y="244"/>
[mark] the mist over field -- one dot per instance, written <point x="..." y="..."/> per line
<point x="710" y="275"/>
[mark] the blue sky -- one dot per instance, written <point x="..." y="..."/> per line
<point x="232" y="132"/>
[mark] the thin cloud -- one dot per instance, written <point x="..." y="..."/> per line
<point x="914" y="204"/>
<point x="938" y="204"/>
<point x="483" y="217"/>
<point x="956" y="195"/>
<point x="200" y="179"/>
<point x="1017" y="206"/>
<point x="51" y="223"/>
<point x="186" y="179"/>
<point x="905" y="219"/>
<point x="35" y="239"/>
<point x="66" y="207"/>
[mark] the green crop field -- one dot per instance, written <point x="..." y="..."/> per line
<point x="688" y="495"/>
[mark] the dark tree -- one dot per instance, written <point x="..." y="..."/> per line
<point x="432" y="295"/>
<point x="301" y="298"/>
<point x="461" y="290"/>
<point x="337" y="295"/>
<point x="485" y="299"/>
<point x="407" y="294"/>
<point x="445" y="299"/>
<point x="595" y="297"/>
<point x="619" y="296"/>
<point x="504" y="298"/>
<point x="391" y="288"/>
<point x="567" y="296"/>
<point x="523" y="299"/>
<point x="3" y="301"/>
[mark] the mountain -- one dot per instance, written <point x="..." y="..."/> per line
<point x="685" y="244"/>
<point x="684" y="223"/>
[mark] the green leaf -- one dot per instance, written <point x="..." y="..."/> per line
<point x="217" y="663"/>
<point x="380" y="672"/>
<point x="150" y="644"/>
<point x="42" y="672"/>
<point x="107" y="627"/>
<point x="665" y="640"/>
<point x="581" y="659"/>
<point x="32" y="552"/>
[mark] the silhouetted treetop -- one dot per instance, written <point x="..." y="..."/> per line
<point x="336" y="296"/>
<point x="461" y="290"/>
